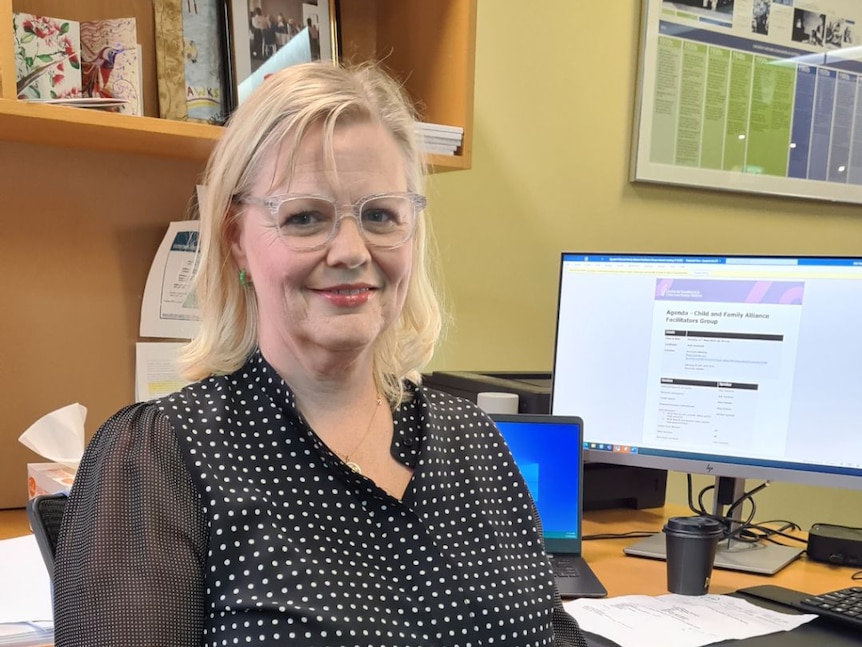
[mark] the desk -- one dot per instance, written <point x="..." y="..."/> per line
<point x="621" y="574"/>
<point x="624" y="575"/>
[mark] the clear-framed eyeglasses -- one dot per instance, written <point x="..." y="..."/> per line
<point x="310" y="222"/>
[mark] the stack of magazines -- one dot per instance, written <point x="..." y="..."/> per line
<point x="439" y="139"/>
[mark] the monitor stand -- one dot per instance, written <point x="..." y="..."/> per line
<point x="761" y="557"/>
<point x="765" y="559"/>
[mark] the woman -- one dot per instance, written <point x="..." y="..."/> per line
<point x="307" y="490"/>
<point x="258" y="26"/>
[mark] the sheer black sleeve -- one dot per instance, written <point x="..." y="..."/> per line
<point x="567" y="632"/>
<point x="131" y="552"/>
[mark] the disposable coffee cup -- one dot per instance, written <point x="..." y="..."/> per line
<point x="497" y="402"/>
<point x="690" y="549"/>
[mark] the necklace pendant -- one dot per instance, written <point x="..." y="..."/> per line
<point x="354" y="466"/>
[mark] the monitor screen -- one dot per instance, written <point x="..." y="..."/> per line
<point x="737" y="366"/>
<point x="547" y="451"/>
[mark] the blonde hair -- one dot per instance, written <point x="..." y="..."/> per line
<point x="284" y="108"/>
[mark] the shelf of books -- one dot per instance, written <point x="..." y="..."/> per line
<point x="83" y="75"/>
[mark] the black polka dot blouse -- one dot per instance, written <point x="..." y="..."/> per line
<point x="217" y="517"/>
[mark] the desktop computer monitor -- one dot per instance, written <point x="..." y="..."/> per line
<point x="733" y="366"/>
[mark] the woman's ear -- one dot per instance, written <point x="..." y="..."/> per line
<point x="233" y="235"/>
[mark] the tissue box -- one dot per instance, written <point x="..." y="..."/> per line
<point x="48" y="478"/>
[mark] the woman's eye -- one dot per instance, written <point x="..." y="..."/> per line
<point x="378" y="215"/>
<point x="306" y="218"/>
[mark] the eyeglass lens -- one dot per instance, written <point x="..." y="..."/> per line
<point x="306" y="222"/>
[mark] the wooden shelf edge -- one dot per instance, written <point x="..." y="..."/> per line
<point x="444" y="163"/>
<point x="94" y="130"/>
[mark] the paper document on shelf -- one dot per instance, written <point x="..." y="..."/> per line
<point x="25" y="588"/>
<point x="169" y="308"/>
<point x="678" y="620"/>
<point x="156" y="372"/>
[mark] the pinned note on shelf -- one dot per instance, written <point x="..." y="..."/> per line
<point x="169" y="308"/>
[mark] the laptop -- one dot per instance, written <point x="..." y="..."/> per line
<point x="548" y="451"/>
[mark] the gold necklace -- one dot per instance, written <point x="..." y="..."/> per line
<point x="346" y="457"/>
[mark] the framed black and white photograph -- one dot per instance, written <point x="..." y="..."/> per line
<point x="269" y="35"/>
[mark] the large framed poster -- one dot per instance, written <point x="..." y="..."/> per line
<point x="761" y="96"/>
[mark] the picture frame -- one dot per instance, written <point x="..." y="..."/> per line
<point x="757" y="96"/>
<point x="268" y="35"/>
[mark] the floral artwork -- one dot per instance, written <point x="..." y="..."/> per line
<point x="47" y="57"/>
<point x="111" y="62"/>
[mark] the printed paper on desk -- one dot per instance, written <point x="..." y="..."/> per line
<point x="680" y="620"/>
<point x="25" y="588"/>
<point x="169" y="308"/>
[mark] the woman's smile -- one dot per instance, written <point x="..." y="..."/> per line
<point x="347" y="296"/>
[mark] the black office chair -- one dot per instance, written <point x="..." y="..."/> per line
<point x="45" y="514"/>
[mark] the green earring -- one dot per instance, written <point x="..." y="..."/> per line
<point x="243" y="279"/>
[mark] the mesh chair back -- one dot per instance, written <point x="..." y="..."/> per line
<point x="45" y="513"/>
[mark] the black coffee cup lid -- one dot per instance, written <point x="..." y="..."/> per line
<point x="694" y="526"/>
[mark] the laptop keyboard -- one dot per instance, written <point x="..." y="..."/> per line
<point x="564" y="568"/>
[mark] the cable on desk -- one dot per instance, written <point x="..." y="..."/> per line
<point x="632" y="534"/>
<point x="763" y="532"/>
<point x="744" y="531"/>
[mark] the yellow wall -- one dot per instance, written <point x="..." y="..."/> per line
<point x="555" y="93"/>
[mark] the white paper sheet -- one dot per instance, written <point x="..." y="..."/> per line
<point x="169" y="308"/>
<point x="678" y="620"/>
<point x="25" y="589"/>
<point x="156" y="373"/>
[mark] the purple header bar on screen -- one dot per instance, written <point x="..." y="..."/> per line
<point x="766" y="292"/>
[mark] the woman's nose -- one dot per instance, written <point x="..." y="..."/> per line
<point x="348" y="246"/>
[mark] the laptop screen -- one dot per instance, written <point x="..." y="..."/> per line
<point x="547" y="450"/>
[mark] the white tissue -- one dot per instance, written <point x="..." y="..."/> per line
<point x="59" y="435"/>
